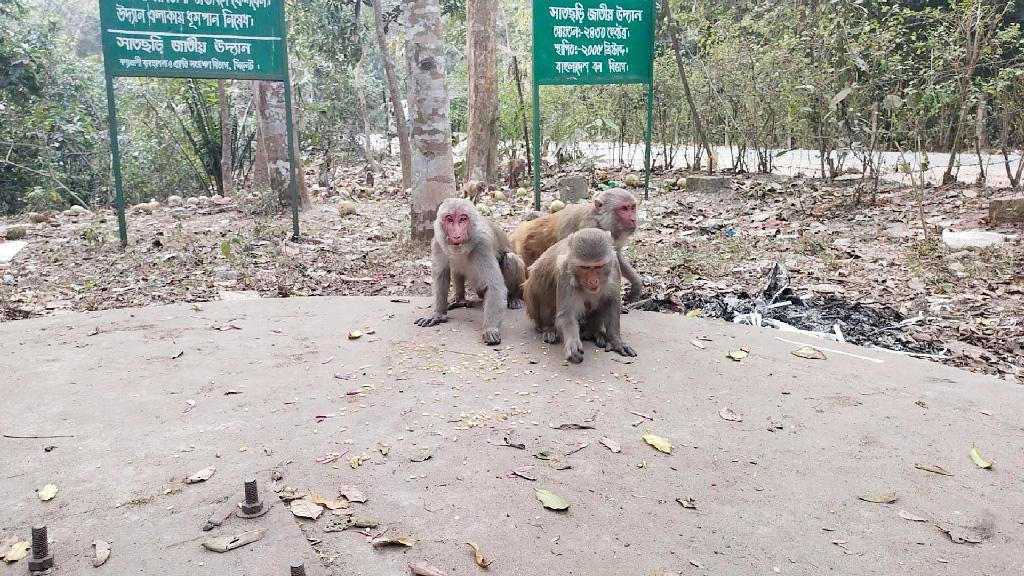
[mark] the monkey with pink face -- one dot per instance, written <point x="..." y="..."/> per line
<point x="470" y="248"/>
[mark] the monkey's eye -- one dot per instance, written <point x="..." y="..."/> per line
<point x="463" y="218"/>
<point x="449" y="219"/>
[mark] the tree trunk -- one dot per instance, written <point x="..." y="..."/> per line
<point x="227" y="162"/>
<point x="482" y="144"/>
<point x="686" y="85"/>
<point x="360" y="84"/>
<point x="396" y="97"/>
<point x="273" y="128"/>
<point x="433" y="171"/>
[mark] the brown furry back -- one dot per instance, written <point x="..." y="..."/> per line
<point x="532" y="238"/>
<point x="541" y="287"/>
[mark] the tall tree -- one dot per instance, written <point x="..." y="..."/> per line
<point x="391" y="79"/>
<point x="433" y="171"/>
<point x="482" y="145"/>
<point x="674" y="35"/>
<point x="273" y="141"/>
<point x="226" y="157"/>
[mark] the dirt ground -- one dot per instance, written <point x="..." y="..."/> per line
<point x="690" y="244"/>
<point x="780" y="460"/>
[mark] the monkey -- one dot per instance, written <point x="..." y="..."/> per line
<point x="470" y="248"/>
<point x="575" y="284"/>
<point x="612" y="210"/>
<point x="516" y="168"/>
<point x="473" y="189"/>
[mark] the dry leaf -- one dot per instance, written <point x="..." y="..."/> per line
<point x="422" y="569"/>
<point x="737" y="355"/>
<point x="520" y="472"/>
<point x="697" y="344"/>
<point x="189" y="405"/>
<point x="226" y="327"/>
<point x="551" y="501"/>
<point x="878" y="497"/>
<point x="977" y="459"/>
<point x="908" y="516"/>
<point x="933" y="468"/>
<point x="559" y="464"/>
<point x="694" y="313"/>
<point x="657" y="442"/>
<point x="728" y="414"/>
<point x="544" y="455"/>
<point x="574" y="426"/>
<point x="480" y="560"/>
<point x="809" y="353"/>
<point x="355" y="335"/>
<point x="101" y="551"/>
<point x="424" y="455"/>
<point x="201" y="476"/>
<point x="225" y="543"/>
<point x="407" y="541"/>
<point x="351" y="493"/>
<point x="687" y="502"/>
<point x="611" y="445"/>
<point x="305" y="509"/>
<point x="329" y="504"/>
<point x="357" y="461"/>
<point x="47" y="493"/>
<point x="959" y="535"/>
<point x="17" y="551"/>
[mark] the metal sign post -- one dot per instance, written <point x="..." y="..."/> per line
<point x="213" y="39"/>
<point x="592" y="42"/>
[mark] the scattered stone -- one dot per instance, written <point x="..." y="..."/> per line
<point x="573" y="188"/>
<point x="16" y="233"/>
<point x="346" y="208"/>
<point x="708" y="183"/>
<point x="1006" y="209"/>
<point x="972" y="238"/>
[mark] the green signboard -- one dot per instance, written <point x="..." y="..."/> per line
<point x="224" y="39"/>
<point x="195" y="38"/>
<point x="593" y="41"/>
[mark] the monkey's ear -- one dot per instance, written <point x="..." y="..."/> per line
<point x="598" y="200"/>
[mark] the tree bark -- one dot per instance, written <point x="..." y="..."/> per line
<point x="482" y="144"/>
<point x="227" y="162"/>
<point x="360" y="84"/>
<point x="273" y="128"/>
<point x="391" y="78"/>
<point x="686" y="85"/>
<point x="433" y="171"/>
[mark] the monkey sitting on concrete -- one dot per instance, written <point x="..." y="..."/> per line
<point x="470" y="248"/>
<point x="612" y="210"/>
<point x="576" y="283"/>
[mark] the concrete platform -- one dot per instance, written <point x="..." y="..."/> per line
<point x="775" y="493"/>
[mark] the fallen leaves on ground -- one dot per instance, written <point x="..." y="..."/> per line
<point x="659" y="443"/>
<point x="17" y="551"/>
<point x="478" y="557"/>
<point x="355" y="335"/>
<point x="335" y="504"/>
<point x="959" y="535"/>
<point x="226" y="543"/>
<point x="521" y="472"/>
<point x="303" y="508"/>
<point x="226" y="327"/>
<point x="47" y="493"/>
<point x="978" y="460"/>
<point x="878" y="497"/>
<point x="611" y="445"/>
<point x="809" y="352"/>
<point x="351" y="493"/>
<point x="912" y="517"/>
<point x="737" y="355"/>
<point x="728" y="414"/>
<point x="687" y="501"/>
<point x="551" y="501"/>
<point x="422" y="569"/>
<point x="423" y="455"/>
<point x="574" y="426"/>
<point x="406" y="541"/>
<point x="544" y="455"/>
<point x="933" y="468"/>
<point x="201" y="476"/>
<point x="101" y="552"/>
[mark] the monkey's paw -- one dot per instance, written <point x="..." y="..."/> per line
<point x="549" y="337"/>
<point x="492" y="337"/>
<point x="515" y="303"/>
<point x="634" y="293"/>
<point x="621" y="348"/>
<point x="574" y="352"/>
<point x="432" y="321"/>
<point x="462" y="304"/>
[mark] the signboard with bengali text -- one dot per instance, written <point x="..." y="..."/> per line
<point x="242" y="39"/>
<point x="593" y="41"/>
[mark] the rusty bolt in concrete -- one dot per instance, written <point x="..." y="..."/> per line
<point x="252" y="507"/>
<point x="41" y="559"/>
<point x="298" y="569"/>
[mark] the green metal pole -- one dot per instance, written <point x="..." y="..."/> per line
<point x="647" y="135"/>
<point x="293" y="159"/>
<point x="536" y="144"/>
<point x="115" y="151"/>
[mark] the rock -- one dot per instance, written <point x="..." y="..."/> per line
<point x="16" y="232"/>
<point x="573" y="188"/>
<point x="713" y="184"/>
<point x="483" y="209"/>
<point x="972" y="238"/>
<point x="217" y="198"/>
<point x="175" y="201"/>
<point x="205" y="201"/>
<point x="346" y="208"/>
<point x="38" y="217"/>
<point x="77" y="210"/>
<point x="556" y="206"/>
<point x="1006" y="209"/>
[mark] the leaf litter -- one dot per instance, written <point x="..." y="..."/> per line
<point x="551" y="501"/>
<point x="657" y="442"/>
<point x="478" y="557"/>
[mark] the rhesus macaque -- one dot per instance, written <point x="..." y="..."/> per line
<point x="575" y="284"/>
<point x="473" y="189"/>
<point x="470" y="248"/>
<point x="516" y="168"/>
<point x="613" y="210"/>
